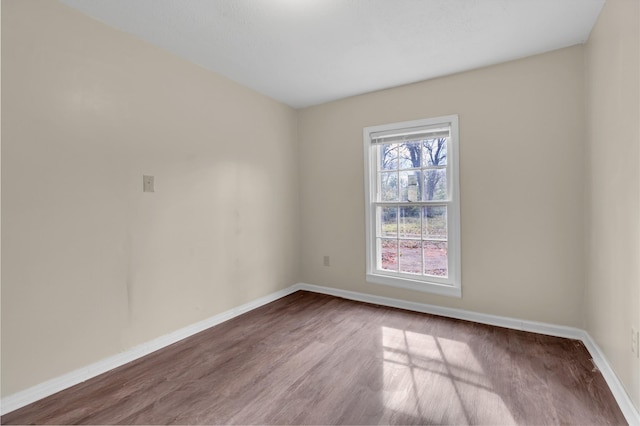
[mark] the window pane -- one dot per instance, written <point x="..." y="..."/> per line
<point x="410" y="256"/>
<point x="435" y="152"/>
<point x="410" y="186"/>
<point x="435" y="258"/>
<point x="389" y="156"/>
<point x="434" y="222"/>
<point x="388" y="255"/>
<point x="435" y="184"/>
<point x="409" y="155"/>
<point x="389" y="186"/>
<point x="388" y="222"/>
<point x="410" y="222"/>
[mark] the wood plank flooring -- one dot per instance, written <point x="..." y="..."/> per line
<point x="315" y="359"/>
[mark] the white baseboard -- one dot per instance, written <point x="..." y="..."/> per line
<point x="35" y="393"/>
<point x="617" y="389"/>
<point x="513" y="323"/>
<point x="42" y="390"/>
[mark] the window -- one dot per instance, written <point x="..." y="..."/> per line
<point x="413" y="205"/>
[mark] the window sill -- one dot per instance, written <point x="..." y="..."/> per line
<point x="426" y="287"/>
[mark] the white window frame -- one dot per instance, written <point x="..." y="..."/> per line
<point x="451" y="285"/>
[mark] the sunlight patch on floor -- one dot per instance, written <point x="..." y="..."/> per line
<point x="438" y="379"/>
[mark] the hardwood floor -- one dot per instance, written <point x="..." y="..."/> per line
<point x="315" y="359"/>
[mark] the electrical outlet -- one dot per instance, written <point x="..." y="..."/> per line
<point x="327" y="261"/>
<point x="635" y="341"/>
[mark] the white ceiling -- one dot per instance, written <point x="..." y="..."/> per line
<point x="306" y="52"/>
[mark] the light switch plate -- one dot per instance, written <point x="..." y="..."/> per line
<point x="147" y="184"/>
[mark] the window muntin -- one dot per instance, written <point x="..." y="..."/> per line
<point x="413" y="205"/>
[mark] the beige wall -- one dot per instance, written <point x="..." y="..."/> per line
<point x="91" y="265"/>
<point x="612" y="293"/>
<point x="521" y="162"/>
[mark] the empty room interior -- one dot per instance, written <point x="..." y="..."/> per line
<point x="320" y="212"/>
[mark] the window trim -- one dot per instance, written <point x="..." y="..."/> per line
<point x="452" y="285"/>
